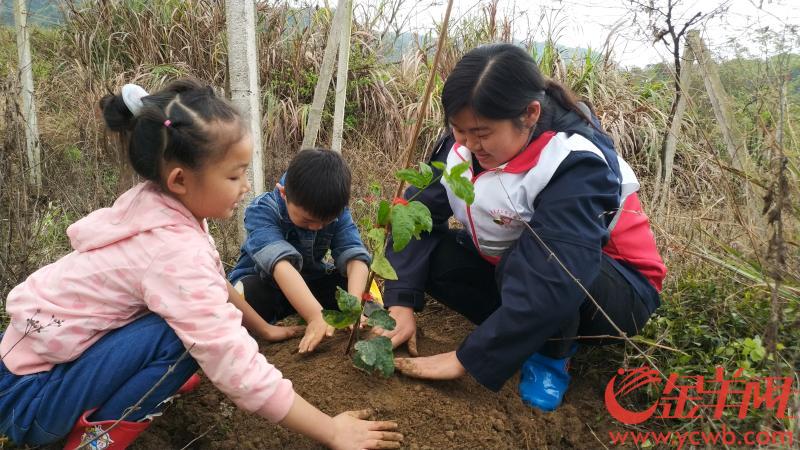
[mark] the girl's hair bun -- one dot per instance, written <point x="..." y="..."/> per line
<point x="116" y="115"/>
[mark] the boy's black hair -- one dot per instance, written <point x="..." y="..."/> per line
<point x="201" y="127"/>
<point x="318" y="180"/>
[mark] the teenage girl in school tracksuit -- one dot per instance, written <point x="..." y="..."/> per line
<point x="538" y="159"/>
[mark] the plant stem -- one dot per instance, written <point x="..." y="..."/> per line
<point x="409" y="152"/>
<point x="354" y="332"/>
<point x="434" y="180"/>
<point x="427" y="95"/>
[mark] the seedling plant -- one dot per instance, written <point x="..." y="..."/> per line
<point x="404" y="219"/>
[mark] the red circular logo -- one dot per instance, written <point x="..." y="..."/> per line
<point x="635" y="379"/>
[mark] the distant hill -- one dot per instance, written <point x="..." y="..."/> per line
<point x="405" y="42"/>
<point x="46" y="13"/>
<point x="43" y="13"/>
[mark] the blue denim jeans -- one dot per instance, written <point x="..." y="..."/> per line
<point x="111" y="375"/>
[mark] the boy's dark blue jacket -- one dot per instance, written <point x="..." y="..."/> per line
<point x="272" y="237"/>
<point x="537" y="295"/>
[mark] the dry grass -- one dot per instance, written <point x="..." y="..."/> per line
<point x="106" y="44"/>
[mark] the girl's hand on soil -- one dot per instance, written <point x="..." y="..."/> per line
<point x="315" y="331"/>
<point x="347" y="431"/>
<point x="404" y="331"/>
<point x="444" y="366"/>
<point x="351" y="431"/>
<point x="274" y="333"/>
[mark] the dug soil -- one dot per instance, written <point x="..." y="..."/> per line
<point x="432" y="415"/>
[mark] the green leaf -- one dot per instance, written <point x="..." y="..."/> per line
<point x="377" y="240"/>
<point x="427" y="173"/>
<point x="754" y="349"/>
<point x="411" y="177"/>
<point x="402" y="227"/>
<point x="419" y="179"/>
<point x="348" y="303"/>
<point x="438" y="164"/>
<point x="407" y="221"/>
<point x="462" y="187"/>
<point x="375" y="355"/>
<point x="758" y="354"/>
<point x="459" y="169"/>
<point x="338" y="319"/>
<point x="382" y="267"/>
<point x="381" y="318"/>
<point x="422" y="217"/>
<point x="375" y="189"/>
<point x="383" y="212"/>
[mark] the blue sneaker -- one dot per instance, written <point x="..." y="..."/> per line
<point x="544" y="381"/>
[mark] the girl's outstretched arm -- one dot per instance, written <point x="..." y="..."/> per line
<point x="346" y="431"/>
<point x="255" y="323"/>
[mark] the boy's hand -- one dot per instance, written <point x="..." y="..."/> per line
<point x="274" y="333"/>
<point x="315" y="331"/>
<point x="351" y="431"/>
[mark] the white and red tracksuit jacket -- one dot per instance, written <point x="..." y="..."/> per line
<point x="579" y="197"/>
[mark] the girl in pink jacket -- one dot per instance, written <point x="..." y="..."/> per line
<point x="93" y="332"/>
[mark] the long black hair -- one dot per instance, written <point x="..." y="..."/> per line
<point x="499" y="81"/>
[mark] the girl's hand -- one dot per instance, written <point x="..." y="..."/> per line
<point x="404" y="331"/>
<point x="347" y="431"/>
<point x="351" y="431"/>
<point x="315" y="331"/>
<point x="274" y="333"/>
<point x="444" y="366"/>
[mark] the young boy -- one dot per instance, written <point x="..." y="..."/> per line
<point x="281" y="267"/>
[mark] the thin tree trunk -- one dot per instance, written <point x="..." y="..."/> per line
<point x="426" y="97"/>
<point x="777" y="196"/>
<point x="341" y="77"/>
<point x="33" y="150"/>
<point x="240" y="18"/>
<point x="325" y="75"/>
<point x="676" y="120"/>
<point x="719" y="101"/>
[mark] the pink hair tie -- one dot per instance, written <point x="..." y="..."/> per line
<point x="167" y="123"/>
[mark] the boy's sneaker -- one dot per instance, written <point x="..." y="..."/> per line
<point x="544" y="381"/>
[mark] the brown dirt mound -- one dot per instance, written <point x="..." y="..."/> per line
<point x="432" y="415"/>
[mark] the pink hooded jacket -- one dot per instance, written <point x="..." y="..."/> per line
<point x="146" y="253"/>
